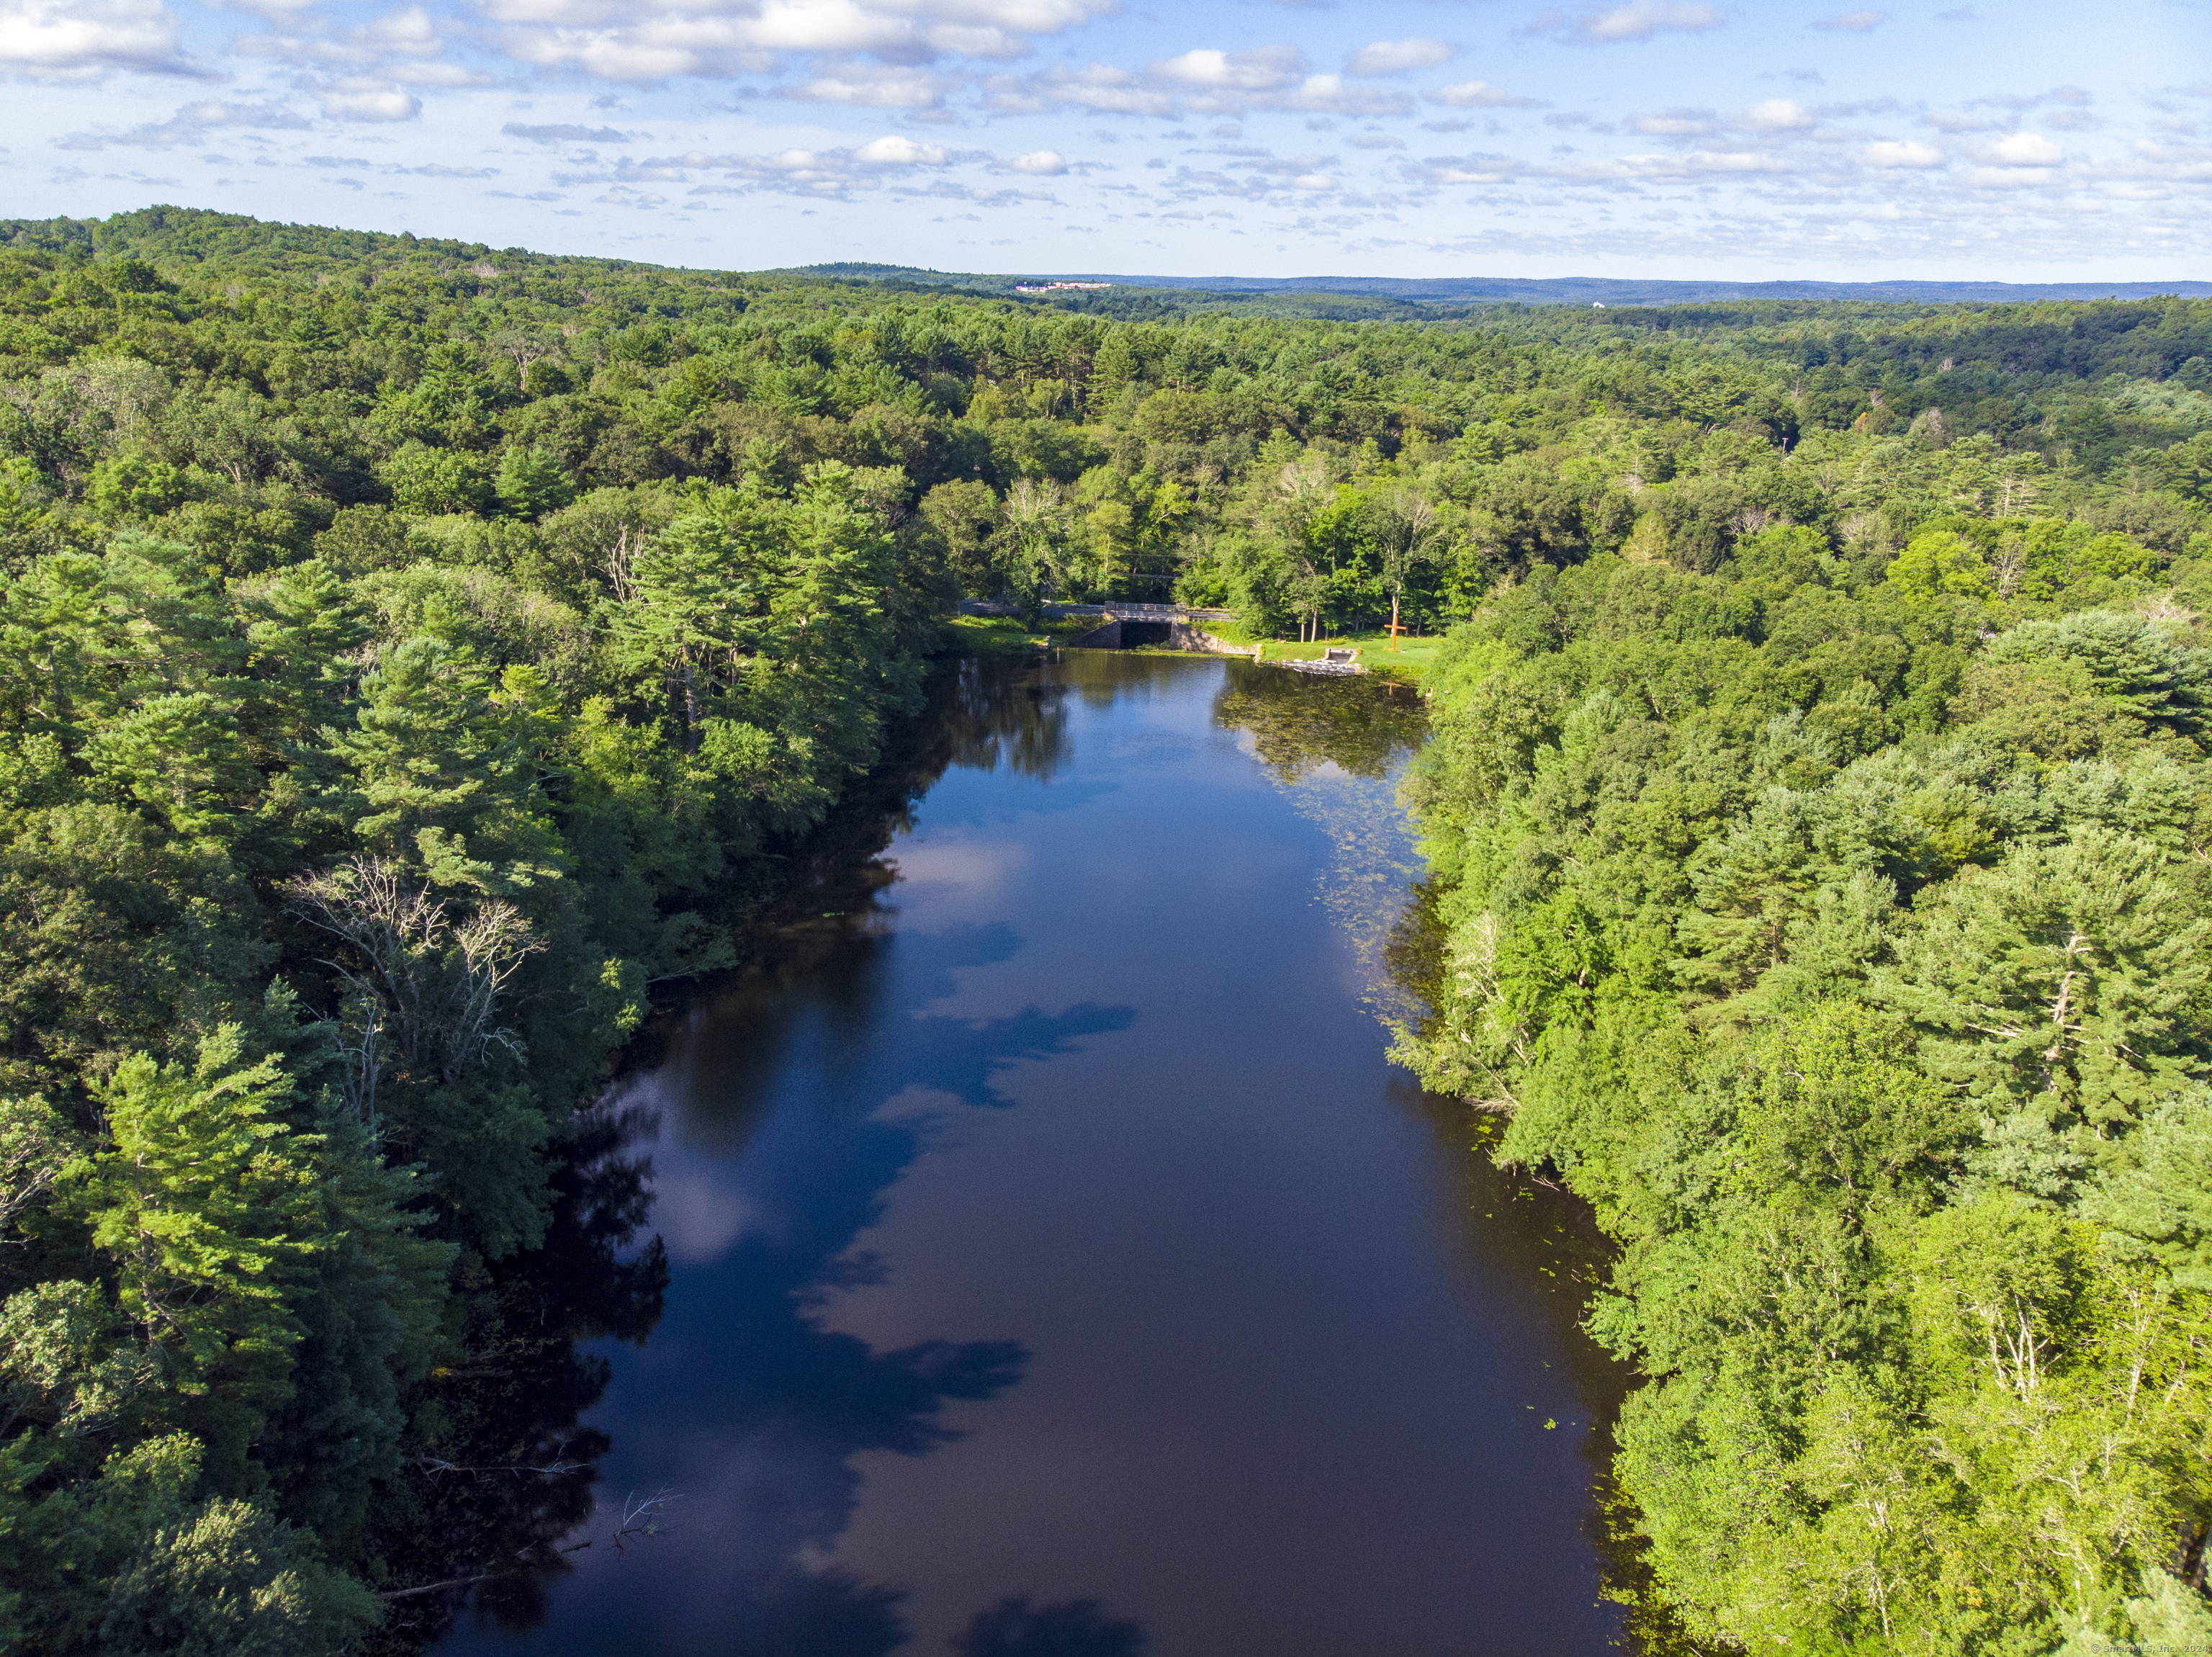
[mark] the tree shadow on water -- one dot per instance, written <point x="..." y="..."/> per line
<point x="784" y="1406"/>
<point x="502" y="1466"/>
<point x="748" y="1401"/>
<point x="743" y="1400"/>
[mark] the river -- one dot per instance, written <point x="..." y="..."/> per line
<point x="1057" y="1267"/>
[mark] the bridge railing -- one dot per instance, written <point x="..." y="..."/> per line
<point x="1120" y="611"/>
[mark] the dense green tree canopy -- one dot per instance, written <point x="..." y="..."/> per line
<point x="413" y="651"/>
<point x="1835" y="920"/>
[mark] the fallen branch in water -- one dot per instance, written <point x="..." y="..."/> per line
<point x="644" y="1518"/>
<point x="450" y="1582"/>
<point x="556" y="1466"/>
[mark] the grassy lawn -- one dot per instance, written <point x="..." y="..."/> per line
<point x="1007" y="635"/>
<point x="1410" y="660"/>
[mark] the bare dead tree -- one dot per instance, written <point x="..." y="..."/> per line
<point x="1866" y="530"/>
<point x="425" y="984"/>
<point x="490" y="945"/>
<point x="391" y="926"/>
<point x="35" y="1147"/>
<point x="621" y="575"/>
<point x="523" y="346"/>
<point x="2009" y="565"/>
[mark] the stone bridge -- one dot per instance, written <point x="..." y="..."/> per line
<point x="1126" y="632"/>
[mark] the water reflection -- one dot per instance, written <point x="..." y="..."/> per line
<point x="1300" y="722"/>
<point x="991" y="709"/>
<point x="516" y="1477"/>
<point x="1337" y="748"/>
<point x="1199" y="1351"/>
<point x="516" y="1491"/>
<point x="778" y="1082"/>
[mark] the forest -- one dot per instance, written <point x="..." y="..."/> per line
<point x="420" y="656"/>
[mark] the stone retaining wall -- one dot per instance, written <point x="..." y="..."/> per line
<point x="1183" y="637"/>
<point x="1180" y="636"/>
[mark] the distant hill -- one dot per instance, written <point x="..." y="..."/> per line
<point x="1553" y="290"/>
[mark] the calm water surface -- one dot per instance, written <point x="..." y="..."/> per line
<point x="1059" y="1269"/>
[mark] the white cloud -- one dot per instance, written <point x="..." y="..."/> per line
<point x="1888" y="154"/>
<point x="820" y="174"/>
<point x="2022" y="150"/>
<point x="653" y="40"/>
<point x="191" y="125"/>
<point x="985" y="42"/>
<point x="2175" y="163"/>
<point x="1328" y="95"/>
<point x="368" y="100"/>
<point x="435" y="75"/>
<point x="2008" y="177"/>
<point x="1262" y="70"/>
<point x="402" y="47"/>
<point x="1695" y="164"/>
<point x="564" y="132"/>
<point x="50" y="39"/>
<point x="652" y="169"/>
<point x="1479" y="94"/>
<point x="1398" y="57"/>
<point x="1866" y="177"/>
<point x="1100" y="87"/>
<point x="1638" y="20"/>
<point x="2072" y="96"/>
<point x="1205" y="81"/>
<point x="1466" y="169"/>
<point x="867" y="87"/>
<point x="410" y="31"/>
<point x="897" y="151"/>
<point x="652" y="51"/>
<point x="1674" y="124"/>
<point x="1775" y="115"/>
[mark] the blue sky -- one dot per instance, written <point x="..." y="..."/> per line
<point x="1645" y="137"/>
